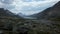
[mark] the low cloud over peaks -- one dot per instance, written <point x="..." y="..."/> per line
<point x="27" y="7"/>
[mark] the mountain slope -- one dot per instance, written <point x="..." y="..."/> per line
<point x="6" y="13"/>
<point x="7" y="19"/>
<point x="51" y="12"/>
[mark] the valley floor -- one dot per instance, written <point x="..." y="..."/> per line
<point x="21" y="26"/>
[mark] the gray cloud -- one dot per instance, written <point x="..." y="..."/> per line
<point x="31" y="0"/>
<point x="6" y="4"/>
<point x="26" y="7"/>
<point x="6" y="1"/>
<point x="26" y="0"/>
<point x="39" y="0"/>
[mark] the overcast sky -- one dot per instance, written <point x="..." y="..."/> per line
<point x="27" y="7"/>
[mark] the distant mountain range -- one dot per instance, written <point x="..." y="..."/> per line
<point x="52" y="12"/>
<point x="25" y="16"/>
<point x="7" y="14"/>
<point x="4" y="12"/>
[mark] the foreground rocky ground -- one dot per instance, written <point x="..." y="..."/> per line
<point x="26" y="26"/>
